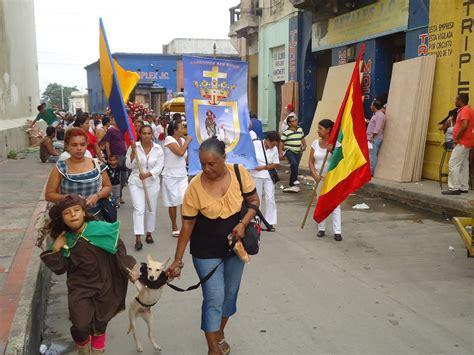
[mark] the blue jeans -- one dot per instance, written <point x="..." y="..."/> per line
<point x="374" y="152"/>
<point x="294" y="160"/>
<point x="220" y="291"/>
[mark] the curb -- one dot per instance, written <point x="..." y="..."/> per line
<point x="431" y="203"/>
<point x="27" y="298"/>
<point x="423" y="201"/>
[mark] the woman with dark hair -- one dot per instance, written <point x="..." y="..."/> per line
<point x="78" y="174"/>
<point x="175" y="175"/>
<point x="151" y="159"/>
<point x="83" y="122"/>
<point x="447" y="126"/>
<point x="317" y="154"/>
<point x="266" y="152"/>
<point x="211" y="212"/>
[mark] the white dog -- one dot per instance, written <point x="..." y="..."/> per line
<point x="150" y="285"/>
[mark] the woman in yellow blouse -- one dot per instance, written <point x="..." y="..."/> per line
<point x="211" y="211"/>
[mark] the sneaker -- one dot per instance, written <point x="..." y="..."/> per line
<point x="338" y="237"/>
<point x="293" y="189"/>
<point x="320" y="234"/>
<point x="464" y="192"/>
<point x="451" y="192"/>
<point x="296" y="182"/>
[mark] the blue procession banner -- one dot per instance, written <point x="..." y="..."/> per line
<point x="215" y="92"/>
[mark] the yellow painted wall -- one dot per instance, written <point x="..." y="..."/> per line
<point x="451" y="39"/>
<point x="252" y="73"/>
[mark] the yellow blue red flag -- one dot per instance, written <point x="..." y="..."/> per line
<point x="117" y="82"/>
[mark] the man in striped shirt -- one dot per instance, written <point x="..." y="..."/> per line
<point x="293" y="145"/>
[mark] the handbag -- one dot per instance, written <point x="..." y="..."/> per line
<point x="107" y="208"/>
<point x="251" y="240"/>
<point x="273" y="173"/>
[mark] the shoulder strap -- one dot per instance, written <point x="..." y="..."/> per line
<point x="239" y="178"/>
<point x="264" y="153"/>
<point x="250" y="205"/>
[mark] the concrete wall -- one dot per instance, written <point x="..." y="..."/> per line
<point x="19" y="88"/>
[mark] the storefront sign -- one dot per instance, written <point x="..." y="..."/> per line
<point x="154" y="75"/>
<point x="293" y="46"/>
<point x="381" y="18"/>
<point x="279" y="63"/>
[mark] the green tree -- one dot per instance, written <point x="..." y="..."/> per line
<point x="52" y="94"/>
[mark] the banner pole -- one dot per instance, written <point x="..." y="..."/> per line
<point x="315" y="188"/>
<point x="145" y="189"/>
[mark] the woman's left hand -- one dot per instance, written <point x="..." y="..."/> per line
<point x="92" y="200"/>
<point x="144" y="176"/>
<point x="239" y="230"/>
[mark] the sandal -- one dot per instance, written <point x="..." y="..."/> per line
<point x="138" y="245"/>
<point x="149" y="239"/>
<point x="224" y="347"/>
<point x="175" y="234"/>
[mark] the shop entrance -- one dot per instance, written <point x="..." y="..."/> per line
<point x="278" y="103"/>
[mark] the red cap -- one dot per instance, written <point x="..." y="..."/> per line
<point x="290" y="107"/>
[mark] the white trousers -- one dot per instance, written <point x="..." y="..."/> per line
<point x="458" y="178"/>
<point x="266" y="185"/>
<point x="140" y="208"/>
<point x="336" y="217"/>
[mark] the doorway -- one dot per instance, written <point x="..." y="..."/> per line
<point x="278" y="103"/>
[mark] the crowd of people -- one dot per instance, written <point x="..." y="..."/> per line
<point x="86" y="185"/>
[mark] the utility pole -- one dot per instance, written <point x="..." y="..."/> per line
<point x="214" y="49"/>
<point x="62" y="98"/>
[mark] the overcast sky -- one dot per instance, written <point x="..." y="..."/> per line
<point x="67" y="31"/>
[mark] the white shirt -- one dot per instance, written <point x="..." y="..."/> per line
<point x="175" y="165"/>
<point x="319" y="154"/>
<point x="272" y="157"/>
<point x="253" y="135"/>
<point x="65" y="155"/>
<point x="153" y="163"/>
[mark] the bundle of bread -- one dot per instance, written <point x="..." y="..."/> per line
<point x="239" y="249"/>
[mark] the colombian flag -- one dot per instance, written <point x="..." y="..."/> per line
<point x="118" y="83"/>
<point x="349" y="168"/>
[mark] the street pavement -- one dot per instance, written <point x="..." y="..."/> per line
<point x="393" y="286"/>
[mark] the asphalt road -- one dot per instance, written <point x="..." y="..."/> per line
<point x="393" y="286"/>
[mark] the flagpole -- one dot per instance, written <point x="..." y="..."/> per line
<point x="315" y="188"/>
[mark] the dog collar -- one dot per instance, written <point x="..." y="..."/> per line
<point x="144" y="304"/>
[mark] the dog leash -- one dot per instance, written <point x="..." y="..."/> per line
<point x="201" y="281"/>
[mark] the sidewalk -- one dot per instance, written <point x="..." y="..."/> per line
<point x="22" y="286"/>
<point x="425" y="194"/>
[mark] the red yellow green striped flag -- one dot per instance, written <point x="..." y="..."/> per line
<point x="349" y="167"/>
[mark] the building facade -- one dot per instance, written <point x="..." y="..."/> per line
<point x="78" y="101"/>
<point x="298" y="40"/>
<point x="158" y="79"/>
<point x="19" y="87"/>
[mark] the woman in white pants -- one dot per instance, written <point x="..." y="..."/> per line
<point x="316" y="158"/>
<point x="175" y="175"/>
<point x="151" y="158"/>
<point x="263" y="182"/>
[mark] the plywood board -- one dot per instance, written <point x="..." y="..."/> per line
<point x="401" y="154"/>
<point x="325" y="109"/>
<point x="289" y="94"/>
<point x="337" y="81"/>
<point x="399" y="121"/>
